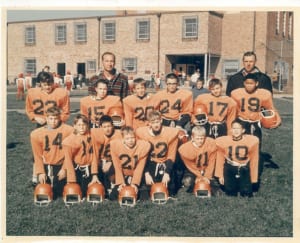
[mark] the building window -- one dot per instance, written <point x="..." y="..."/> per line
<point x="190" y="27"/>
<point x="91" y="65"/>
<point x="109" y="31"/>
<point x="277" y="23"/>
<point x="284" y="25"/>
<point x="80" y="32"/>
<point x="30" y="65"/>
<point x="130" y="64"/>
<point x="60" y="33"/>
<point x="290" y="25"/>
<point x="30" y="35"/>
<point x="143" y="29"/>
<point x="230" y="67"/>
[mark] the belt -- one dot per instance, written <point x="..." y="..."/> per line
<point x="250" y="121"/>
<point x="234" y="163"/>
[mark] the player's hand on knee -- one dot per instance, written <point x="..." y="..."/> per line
<point x="148" y="179"/>
<point x="166" y="179"/>
<point x="42" y="178"/>
<point x="61" y="174"/>
<point x="221" y="180"/>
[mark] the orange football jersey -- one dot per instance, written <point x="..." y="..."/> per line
<point x="164" y="145"/>
<point x="102" y="143"/>
<point x="172" y="105"/>
<point x="80" y="150"/>
<point x="249" y="105"/>
<point x="219" y="109"/>
<point x="240" y="151"/>
<point x="129" y="161"/>
<point x="95" y="108"/>
<point x="37" y="103"/>
<point x="199" y="160"/>
<point x="47" y="146"/>
<point x="136" y="110"/>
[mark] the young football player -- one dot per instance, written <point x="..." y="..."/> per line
<point x="237" y="161"/>
<point x="199" y="156"/>
<point x="221" y="110"/>
<point x="129" y="157"/>
<point x="39" y="99"/>
<point x="164" y="141"/>
<point x="46" y="143"/>
<point x="94" y="107"/>
<point x="107" y="131"/>
<point x="175" y="105"/>
<point x="250" y="102"/>
<point x="138" y="105"/>
<point x="80" y="159"/>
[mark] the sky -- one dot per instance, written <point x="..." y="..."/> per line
<point x="23" y="15"/>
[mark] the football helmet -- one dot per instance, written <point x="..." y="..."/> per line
<point x="127" y="196"/>
<point x="159" y="193"/>
<point x="202" y="189"/>
<point x="43" y="194"/>
<point x="269" y="118"/>
<point x="72" y="194"/>
<point x="183" y="136"/>
<point x="95" y="193"/>
<point x="117" y="115"/>
<point x="200" y="113"/>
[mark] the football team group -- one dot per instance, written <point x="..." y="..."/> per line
<point x="128" y="145"/>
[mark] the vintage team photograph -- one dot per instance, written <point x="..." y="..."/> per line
<point x="149" y="123"/>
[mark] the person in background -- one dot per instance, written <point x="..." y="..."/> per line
<point x="198" y="89"/>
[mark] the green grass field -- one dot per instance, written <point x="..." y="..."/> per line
<point x="268" y="214"/>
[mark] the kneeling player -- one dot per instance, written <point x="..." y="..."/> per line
<point x="80" y="159"/>
<point x="129" y="158"/>
<point x="47" y="150"/>
<point x="199" y="156"/>
<point x="237" y="161"/>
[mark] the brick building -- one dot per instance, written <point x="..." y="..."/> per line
<point x="152" y="41"/>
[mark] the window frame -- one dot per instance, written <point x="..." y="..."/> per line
<point x="147" y="27"/>
<point x="90" y="63"/>
<point x="104" y="30"/>
<point x="33" y="64"/>
<point x="57" y="31"/>
<point x="30" y="30"/>
<point x="194" y="32"/>
<point x="126" y="66"/>
<point x="76" y="36"/>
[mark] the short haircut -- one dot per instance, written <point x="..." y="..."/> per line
<point x="45" y="77"/>
<point x="84" y="119"/>
<point x="154" y="115"/>
<point x="199" y="129"/>
<point x="213" y="82"/>
<point x="251" y="76"/>
<point x="238" y="122"/>
<point x="172" y="76"/>
<point x="200" y="80"/>
<point x="127" y="130"/>
<point x="139" y="81"/>
<point x="102" y="81"/>
<point x="53" y="111"/>
<point x="108" y="53"/>
<point x="105" y="119"/>
<point x="248" y="54"/>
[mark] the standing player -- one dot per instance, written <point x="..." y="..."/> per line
<point x="94" y="107"/>
<point x="137" y="105"/>
<point x="41" y="98"/>
<point x="175" y="105"/>
<point x="107" y="131"/>
<point x="164" y="140"/>
<point x="47" y="150"/>
<point x="129" y="157"/>
<point x="221" y="110"/>
<point x="80" y="159"/>
<point x="250" y="101"/>
<point x="20" y="87"/>
<point x="199" y="156"/>
<point x="237" y="161"/>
